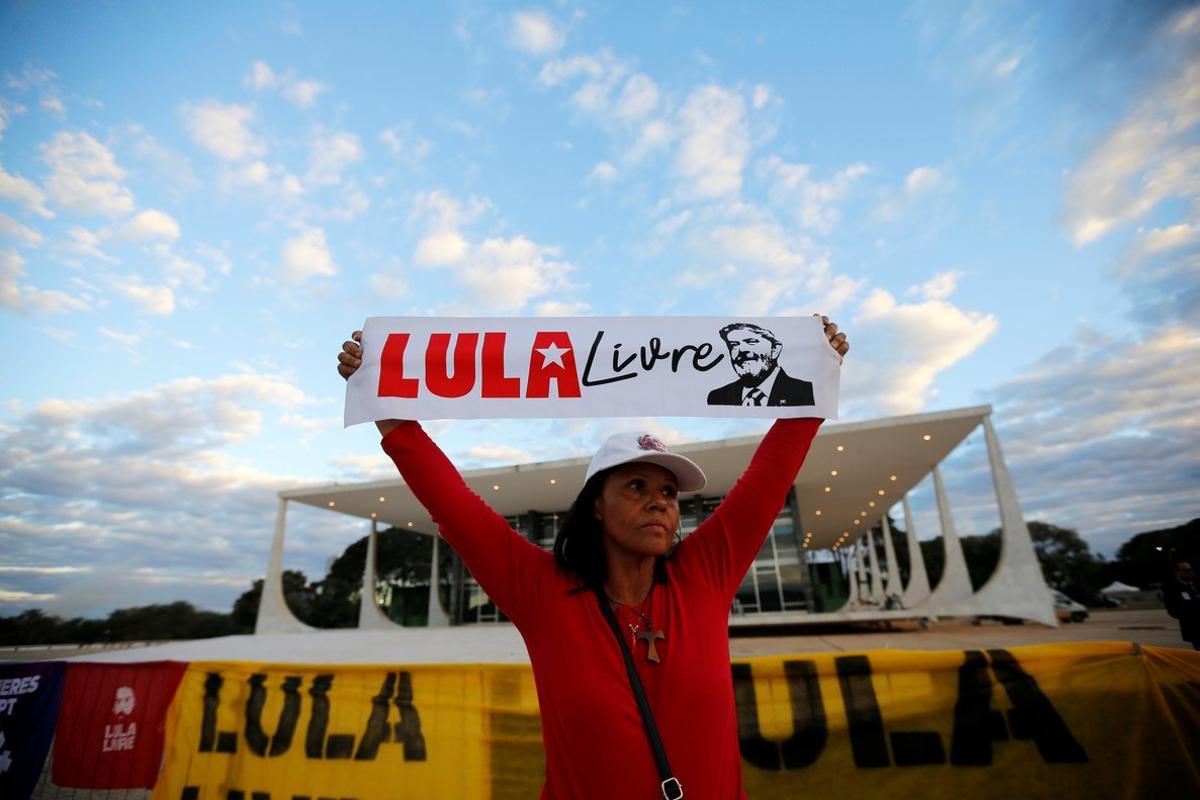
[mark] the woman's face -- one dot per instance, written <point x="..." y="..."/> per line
<point x="638" y="509"/>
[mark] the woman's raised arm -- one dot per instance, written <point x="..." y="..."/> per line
<point x="500" y="559"/>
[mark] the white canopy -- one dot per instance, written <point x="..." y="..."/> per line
<point x="1117" y="586"/>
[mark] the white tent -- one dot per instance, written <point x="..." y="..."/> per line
<point x="1117" y="586"/>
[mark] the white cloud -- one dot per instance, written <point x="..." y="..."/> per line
<point x="54" y="105"/>
<point x="330" y="155"/>
<point x="535" y="33"/>
<point x="29" y="570"/>
<point x="815" y="202"/>
<point x="654" y="135"/>
<point x="3" y="120"/>
<point x="302" y="93"/>
<point x="259" y="77"/>
<point x="10" y="596"/>
<point x="354" y="204"/>
<point x="498" y="453"/>
<point x="307" y="256"/>
<point x="922" y="179"/>
<point x="154" y="299"/>
<point x="388" y="286"/>
<point x="923" y="185"/>
<point x="1148" y="158"/>
<point x="11" y="229"/>
<point x="129" y="340"/>
<point x="503" y="275"/>
<point x="151" y="224"/>
<point x="29" y="77"/>
<point x="82" y="242"/>
<point x="763" y="268"/>
<point x="700" y="278"/>
<point x="25" y="193"/>
<point x="900" y="348"/>
<point x="560" y="71"/>
<point x="941" y="286"/>
<point x="761" y="96"/>
<point x="223" y="129"/>
<point x="638" y="98"/>
<point x="560" y="308"/>
<point x="603" y="172"/>
<point x="309" y="425"/>
<point x="1101" y="412"/>
<point x="441" y="212"/>
<point x="400" y="141"/>
<point x="169" y="167"/>
<point x="601" y="74"/>
<point x="84" y="176"/>
<point x="440" y="248"/>
<point x="99" y="479"/>
<point x="715" y="143"/>
<point x="24" y="298"/>
<point x="1160" y="240"/>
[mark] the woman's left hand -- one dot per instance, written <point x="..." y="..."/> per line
<point x="837" y="340"/>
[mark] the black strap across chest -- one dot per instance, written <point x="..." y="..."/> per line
<point x="671" y="788"/>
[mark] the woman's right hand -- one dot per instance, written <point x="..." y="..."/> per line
<point x="350" y="359"/>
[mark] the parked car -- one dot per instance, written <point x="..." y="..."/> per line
<point x="1067" y="610"/>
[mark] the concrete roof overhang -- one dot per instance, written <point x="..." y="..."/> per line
<point x="876" y="461"/>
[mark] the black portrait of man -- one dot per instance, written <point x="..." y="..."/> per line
<point x="754" y="355"/>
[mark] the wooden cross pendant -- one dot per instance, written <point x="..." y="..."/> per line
<point x="648" y="637"/>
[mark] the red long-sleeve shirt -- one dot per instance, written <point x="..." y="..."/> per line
<point x="595" y="744"/>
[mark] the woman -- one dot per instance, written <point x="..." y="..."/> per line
<point x="619" y="538"/>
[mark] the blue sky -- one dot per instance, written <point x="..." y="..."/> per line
<point x="999" y="202"/>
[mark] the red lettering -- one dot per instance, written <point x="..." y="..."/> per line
<point x="392" y="382"/>
<point x="495" y="382"/>
<point x="543" y="369"/>
<point x="437" y="376"/>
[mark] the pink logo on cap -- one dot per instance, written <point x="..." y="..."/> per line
<point x="648" y="442"/>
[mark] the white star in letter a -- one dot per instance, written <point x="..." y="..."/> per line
<point x="553" y="355"/>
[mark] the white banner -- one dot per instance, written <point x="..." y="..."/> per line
<point x="552" y="367"/>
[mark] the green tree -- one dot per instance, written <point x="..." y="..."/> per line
<point x="402" y="559"/>
<point x="1066" y="560"/>
<point x="1145" y="560"/>
<point x="245" y="608"/>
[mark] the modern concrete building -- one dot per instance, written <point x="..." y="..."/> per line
<point x="819" y="563"/>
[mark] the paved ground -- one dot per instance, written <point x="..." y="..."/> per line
<point x="500" y="643"/>
<point x="1148" y="626"/>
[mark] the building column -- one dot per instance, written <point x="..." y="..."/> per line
<point x="955" y="585"/>
<point x="274" y="616"/>
<point x="851" y="570"/>
<point x="874" y="570"/>
<point x="917" y="590"/>
<point x="437" y="615"/>
<point x="861" y="566"/>
<point x="801" y="554"/>
<point x="892" y="586"/>
<point x="370" y="616"/>
<point x="1017" y="587"/>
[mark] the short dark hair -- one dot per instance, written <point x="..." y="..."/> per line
<point x="579" y="543"/>
<point x="761" y="331"/>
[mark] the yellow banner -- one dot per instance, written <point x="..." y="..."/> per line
<point x="1063" y="721"/>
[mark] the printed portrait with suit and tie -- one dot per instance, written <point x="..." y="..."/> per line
<point x="754" y="355"/>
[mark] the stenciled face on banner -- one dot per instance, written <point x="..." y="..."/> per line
<point x="461" y="368"/>
<point x="754" y="353"/>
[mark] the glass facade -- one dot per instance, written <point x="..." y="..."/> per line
<point x="777" y="581"/>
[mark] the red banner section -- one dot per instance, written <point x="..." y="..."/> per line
<point x="110" y="729"/>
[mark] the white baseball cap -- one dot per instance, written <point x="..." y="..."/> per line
<point x="625" y="448"/>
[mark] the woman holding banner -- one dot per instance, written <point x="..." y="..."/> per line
<point x="616" y="568"/>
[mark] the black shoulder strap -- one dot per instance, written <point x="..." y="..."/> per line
<point x="671" y="788"/>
